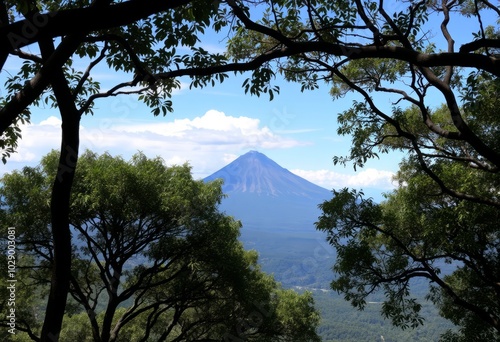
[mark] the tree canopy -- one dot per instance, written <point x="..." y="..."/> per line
<point x="399" y="59"/>
<point x="440" y="224"/>
<point x="309" y="41"/>
<point x="153" y="258"/>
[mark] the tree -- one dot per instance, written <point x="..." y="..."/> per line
<point x="354" y="46"/>
<point x="148" y="257"/>
<point x="444" y="212"/>
<point x="420" y="231"/>
<point x="139" y="38"/>
<point x="99" y="30"/>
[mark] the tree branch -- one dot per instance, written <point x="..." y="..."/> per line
<point x="86" y="75"/>
<point x="480" y="44"/>
<point x="73" y="21"/>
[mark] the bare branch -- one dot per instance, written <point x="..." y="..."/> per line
<point x="451" y="43"/>
<point x="86" y="75"/>
<point x="74" y="21"/>
<point x="26" y="55"/>
<point x="480" y="44"/>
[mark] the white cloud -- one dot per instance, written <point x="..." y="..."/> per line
<point x="214" y="128"/>
<point x="208" y="142"/>
<point x="369" y="178"/>
<point x="297" y="131"/>
<point x="23" y="156"/>
<point x="38" y="139"/>
<point x="51" y="121"/>
<point x="229" y="157"/>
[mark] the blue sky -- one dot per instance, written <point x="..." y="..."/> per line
<point x="210" y="127"/>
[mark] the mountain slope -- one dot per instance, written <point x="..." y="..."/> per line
<point x="266" y="196"/>
<point x="278" y="210"/>
<point x="255" y="173"/>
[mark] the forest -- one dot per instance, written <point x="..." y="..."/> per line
<point x="420" y="88"/>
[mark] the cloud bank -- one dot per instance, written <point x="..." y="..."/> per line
<point x="206" y="141"/>
<point x="368" y="178"/>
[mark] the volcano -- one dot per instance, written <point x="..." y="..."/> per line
<point x="266" y="196"/>
<point x="255" y="173"/>
<point x="278" y="210"/>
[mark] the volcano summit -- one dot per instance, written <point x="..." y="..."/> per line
<point x="255" y="173"/>
<point x="266" y="196"/>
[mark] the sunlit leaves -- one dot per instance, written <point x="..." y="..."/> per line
<point x="365" y="127"/>
<point x="139" y="50"/>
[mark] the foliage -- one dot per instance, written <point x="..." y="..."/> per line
<point x="343" y="43"/>
<point x="137" y="39"/>
<point x="440" y="223"/>
<point x="403" y="51"/>
<point x="420" y="231"/>
<point x="154" y="259"/>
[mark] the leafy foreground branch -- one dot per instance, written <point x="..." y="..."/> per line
<point x="422" y="231"/>
<point x="397" y="59"/>
<point x="153" y="259"/>
<point x="398" y="63"/>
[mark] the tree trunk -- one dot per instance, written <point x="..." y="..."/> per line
<point x="114" y="283"/>
<point x="61" y="235"/>
<point x="60" y="202"/>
